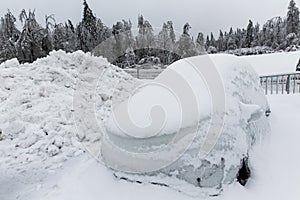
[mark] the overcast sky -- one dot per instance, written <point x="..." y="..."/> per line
<point x="203" y="15"/>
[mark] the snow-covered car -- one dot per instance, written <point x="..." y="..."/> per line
<point x="213" y="104"/>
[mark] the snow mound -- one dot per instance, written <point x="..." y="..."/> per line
<point x="36" y="107"/>
<point x="277" y="63"/>
<point x="245" y="124"/>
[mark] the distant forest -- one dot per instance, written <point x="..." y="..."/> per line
<point x="121" y="47"/>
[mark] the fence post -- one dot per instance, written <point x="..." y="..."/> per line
<point x="294" y="87"/>
<point x="277" y="80"/>
<point x="282" y="84"/>
<point x="271" y="84"/>
<point x="261" y="81"/>
<point x="288" y="82"/>
<point x="266" y="85"/>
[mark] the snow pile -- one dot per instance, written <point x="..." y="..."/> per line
<point x="277" y="63"/>
<point x="36" y="107"/>
<point x="245" y="124"/>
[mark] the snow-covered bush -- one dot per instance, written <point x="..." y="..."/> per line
<point x="292" y="48"/>
<point x="212" y="50"/>
<point x="251" y="51"/>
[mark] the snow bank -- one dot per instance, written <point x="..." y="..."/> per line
<point x="36" y="107"/>
<point x="245" y="123"/>
<point x="276" y="63"/>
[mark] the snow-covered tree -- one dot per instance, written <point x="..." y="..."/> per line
<point x="185" y="47"/>
<point x="103" y="32"/>
<point x="231" y="45"/>
<point x="238" y="38"/>
<point x="200" y="43"/>
<point x="220" y="43"/>
<point x="164" y="42"/>
<point x="279" y="34"/>
<point x="172" y="32"/>
<point x="231" y="41"/>
<point x="9" y="35"/>
<point x="47" y="39"/>
<point x="8" y="27"/>
<point x="34" y="41"/>
<point x="207" y="42"/>
<point x="30" y="42"/>
<point x="145" y="38"/>
<point x="244" y="37"/>
<point x="186" y="29"/>
<point x="200" y="39"/>
<point x="117" y="31"/>
<point x="292" y="40"/>
<point x="250" y="32"/>
<point x="87" y="29"/>
<point x="212" y="40"/>
<point x="59" y="37"/>
<point x="272" y="34"/>
<point x="211" y="44"/>
<point x="256" y="37"/>
<point x="130" y="43"/>
<point x="70" y="35"/>
<point x="292" y="19"/>
<point x="123" y="36"/>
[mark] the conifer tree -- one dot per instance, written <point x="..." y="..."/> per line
<point x="9" y="35"/>
<point x="185" y="47"/>
<point x="292" y="25"/>
<point x="220" y="42"/>
<point x="87" y="30"/>
<point x="145" y="39"/>
<point x="249" y="36"/>
<point x="29" y="44"/>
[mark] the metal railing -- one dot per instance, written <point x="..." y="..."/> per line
<point x="144" y="73"/>
<point x="281" y="83"/>
<point x="271" y="84"/>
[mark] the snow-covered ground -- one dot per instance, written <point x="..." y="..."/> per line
<point x="276" y="174"/>
<point x="52" y="165"/>
<point x="276" y="63"/>
<point x="276" y="163"/>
